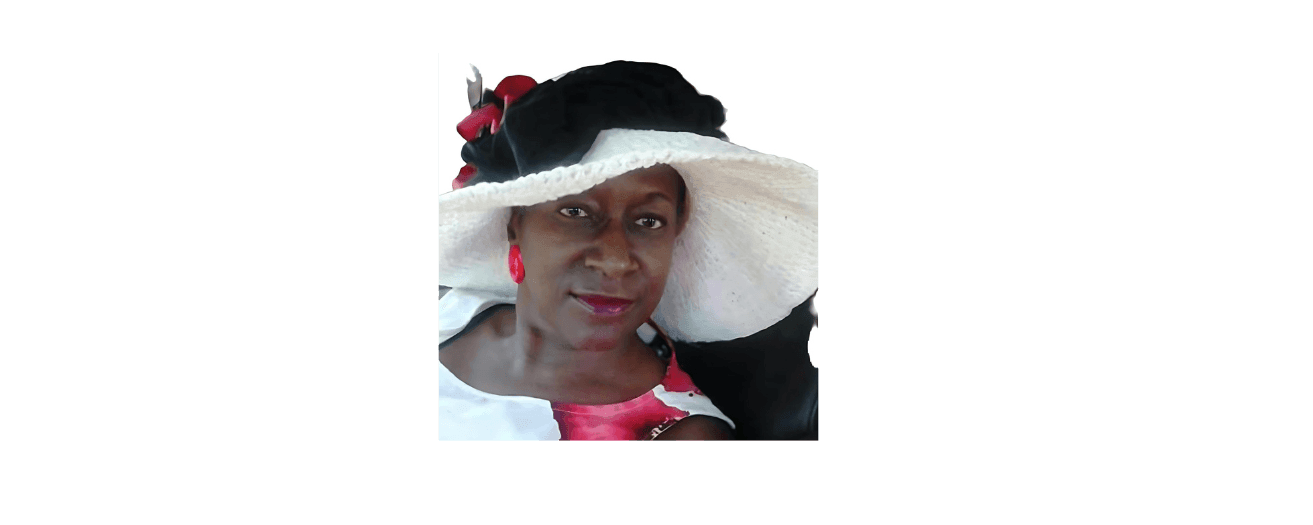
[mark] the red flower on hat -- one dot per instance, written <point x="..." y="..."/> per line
<point x="490" y="116"/>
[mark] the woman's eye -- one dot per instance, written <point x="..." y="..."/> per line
<point x="649" y="222"/>
<point x="573" y="212"/>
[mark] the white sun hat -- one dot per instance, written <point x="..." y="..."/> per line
<point x="746" y="258"/>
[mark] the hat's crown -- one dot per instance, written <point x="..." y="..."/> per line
<point x="555" y="123"/>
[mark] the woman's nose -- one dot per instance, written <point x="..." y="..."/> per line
<point x="611" y="253"/>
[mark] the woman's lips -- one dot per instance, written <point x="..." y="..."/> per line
<point x="603" y="305"/>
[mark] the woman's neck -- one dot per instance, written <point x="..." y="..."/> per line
<point x="537" y="352"/>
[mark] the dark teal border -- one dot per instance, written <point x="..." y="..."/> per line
<point x="1066" y="257"/>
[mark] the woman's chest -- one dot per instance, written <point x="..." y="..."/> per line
<point x="493" y="373"/>
<point x="469" y="415"/>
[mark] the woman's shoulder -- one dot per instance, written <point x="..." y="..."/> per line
<point x="698" y="428"/>
<point x="701" y="418"/>
<point x="461" y="312"/>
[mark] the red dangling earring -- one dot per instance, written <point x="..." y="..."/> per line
<point x="517" y="265"/>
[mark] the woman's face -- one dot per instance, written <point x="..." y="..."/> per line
<point x="595" y="263"/>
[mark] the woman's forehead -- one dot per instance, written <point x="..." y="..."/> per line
<point x="641" y="182"/>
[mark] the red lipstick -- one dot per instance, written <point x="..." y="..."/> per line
<point x="604" y="305"/>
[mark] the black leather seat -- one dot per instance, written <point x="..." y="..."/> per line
<point x="764" y="382"/>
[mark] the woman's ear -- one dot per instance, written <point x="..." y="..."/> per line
<point x="514" y="225"/>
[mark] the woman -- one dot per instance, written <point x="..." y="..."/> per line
<point x="601" y="216"/>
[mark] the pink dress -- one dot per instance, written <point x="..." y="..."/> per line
<point x="643" y="417"/>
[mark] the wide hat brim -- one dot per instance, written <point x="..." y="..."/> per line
<point x="746" y="258"/>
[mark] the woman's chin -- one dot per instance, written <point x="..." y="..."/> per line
<point x="600" y="331"/>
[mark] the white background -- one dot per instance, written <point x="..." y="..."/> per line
<point x="772" y="100"/>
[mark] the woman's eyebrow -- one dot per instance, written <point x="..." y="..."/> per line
<point x="651" y="196"/>
<point x="581" y="198"/>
